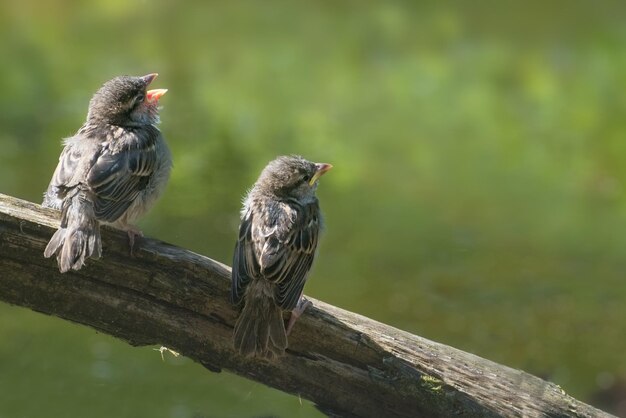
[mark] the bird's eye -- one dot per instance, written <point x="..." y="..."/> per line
<point x="306" y="177"/>
<point x="137" y="100"/>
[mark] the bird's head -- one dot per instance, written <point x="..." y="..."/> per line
<point x="291" y="176"/>
<point x="126" y="101"/>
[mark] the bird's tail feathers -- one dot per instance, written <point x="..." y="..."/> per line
<point x="78" y="237"/>
<point x="260" y="330"/>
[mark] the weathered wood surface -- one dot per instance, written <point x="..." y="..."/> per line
<point x="349" y="365"/>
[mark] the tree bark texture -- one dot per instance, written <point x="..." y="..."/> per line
<point x="347" y="364"/>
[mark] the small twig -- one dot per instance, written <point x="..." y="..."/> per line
<point x="163" y="349"/>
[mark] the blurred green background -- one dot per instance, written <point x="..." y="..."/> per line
<point x="477" y="197"/>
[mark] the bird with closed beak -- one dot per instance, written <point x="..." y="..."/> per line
<point x="111" y="171"/>
<point x="278" y="236"/>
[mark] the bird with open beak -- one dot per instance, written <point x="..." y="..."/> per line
<point x="278" y="236"/>
<point x="111" y="171"/>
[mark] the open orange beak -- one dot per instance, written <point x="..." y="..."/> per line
<point x="155" y="94"/>
<point x="321" y="168"/>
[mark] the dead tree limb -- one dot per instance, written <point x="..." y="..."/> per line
<point x="347" y="364"/>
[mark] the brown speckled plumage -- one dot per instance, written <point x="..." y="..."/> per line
<point x="278" y="236"/>
<point x="112" y="171"/>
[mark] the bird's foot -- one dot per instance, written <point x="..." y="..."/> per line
<point x="132" y="232"/>
<point x="303" y="303"/>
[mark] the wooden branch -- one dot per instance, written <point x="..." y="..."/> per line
<point x="349" y="365"/>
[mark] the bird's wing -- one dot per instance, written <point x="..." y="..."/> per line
<point x="117" y="176"/>
<point x="71" y="169"/>
<point x="245" y="263"/>
<point x="69" y="162"/>
<point x="113" y="171"/>
<point x="281" y="251"/>
<point x="289" y="265"/>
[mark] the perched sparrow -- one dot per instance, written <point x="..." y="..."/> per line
<point x="111" y="171"/>
<point x="280" y="225"/>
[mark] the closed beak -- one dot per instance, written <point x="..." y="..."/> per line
<point x="321" y="168"/>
